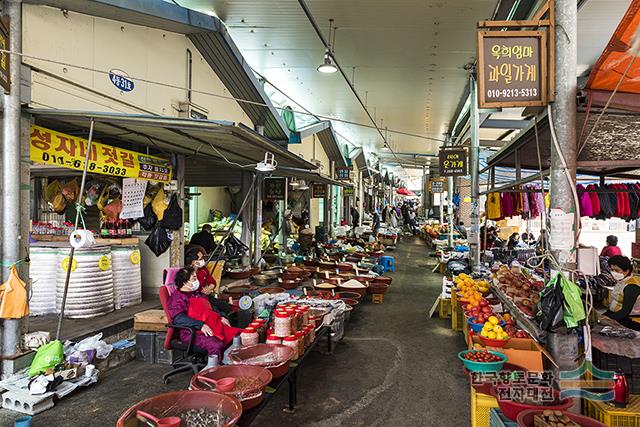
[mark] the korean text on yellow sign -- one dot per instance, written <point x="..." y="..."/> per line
<point x="55" y="148"/>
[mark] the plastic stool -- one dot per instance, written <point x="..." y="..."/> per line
<point x="387" y="262"/>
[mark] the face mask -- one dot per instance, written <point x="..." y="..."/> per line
<point x="200" y="263"/>
<point x="193" y="286"/>
<point x="616" y="275"/>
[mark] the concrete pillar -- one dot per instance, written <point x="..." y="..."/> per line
<point x="563" y="346"/>
<point x="11" y="146"/>
<point x="474" y="162"/>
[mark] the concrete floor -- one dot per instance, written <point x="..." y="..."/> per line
<point x="394" y="367"/>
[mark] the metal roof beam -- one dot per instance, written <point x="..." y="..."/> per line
<point x="504" y="124"/>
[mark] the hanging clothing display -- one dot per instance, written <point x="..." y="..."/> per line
<point x="528" y="203"/>
<point x="610" y="200"/>
<point x="492" y="207"/>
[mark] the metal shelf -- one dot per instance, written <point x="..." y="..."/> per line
<point x="523" y="321"/>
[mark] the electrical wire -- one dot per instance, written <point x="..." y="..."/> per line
<point x="572" y="184"/>
<point x="217" y="95"/>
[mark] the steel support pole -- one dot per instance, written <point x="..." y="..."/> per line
<point x="474" y="161"/>
<point x="247" y="214"/>
<point x="11" y="143"/>
<point x="450" y="209"/>
<point x="284" y="205"/>
<point x="360" y="196"/>
<point x="562" y="345"/>
<point x="257" y="231"/>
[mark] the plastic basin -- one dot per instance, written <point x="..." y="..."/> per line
<point x="525" y="419"/>
<point x="178" y="402"/>
<point x="274" y="357"/>
<point x="353" y="295"/>
<point x="482" y="366"/>
<point x="477" y="327"/>
<point x="350" y="301"/>
<point x="248" y="397"/>
<point x="488" y="342"/>
<point x="378" y="288"/>
<point x="512" y="409"/>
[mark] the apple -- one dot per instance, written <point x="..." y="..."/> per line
<point x="486" y="309"/>
<point x="484" y="303"/>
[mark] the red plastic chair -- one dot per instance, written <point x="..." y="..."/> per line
<point x="194" y="357"/>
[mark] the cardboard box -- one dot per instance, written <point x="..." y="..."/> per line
<point x="523" y="352"/>
<point x="150" y="320"/>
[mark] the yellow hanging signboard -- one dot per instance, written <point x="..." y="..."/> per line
<point x="67" y="151"/>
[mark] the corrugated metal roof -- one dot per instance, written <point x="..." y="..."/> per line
<point x="209" y="36"/>
<point x="215" y="140"/>
<point x="612" y="149"/>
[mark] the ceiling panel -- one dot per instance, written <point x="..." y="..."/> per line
<point x="408" y="57"/>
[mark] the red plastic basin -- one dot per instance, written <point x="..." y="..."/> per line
<point x="274" y="357"/>
<point x="525" y="419"/>
<point x="512" y="409"/>
<point x="178" y="402"/>
<point x="249" y="398"/>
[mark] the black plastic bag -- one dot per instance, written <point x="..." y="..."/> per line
<point x="172" y="218"/>
<point x="148" y="221"/>
<point x="234" y="248"/>
<point x="158" y="241"/>
<point x="551" y="307"/>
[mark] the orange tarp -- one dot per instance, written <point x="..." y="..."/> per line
<point x="615" y="59"/>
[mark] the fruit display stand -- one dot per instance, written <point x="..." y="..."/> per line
<point x="523" y="352"/>
<point x="612" y="416"/>
<point x="481" y="405"/>
<point x="457" y="315"/>
<point x="523" y="321"/>
<point x="444" y="300"/>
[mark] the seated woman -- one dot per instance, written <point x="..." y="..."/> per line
<point x="625" y="301"/>
<point x="195" y="259"/>
<point x="190" y="307"/>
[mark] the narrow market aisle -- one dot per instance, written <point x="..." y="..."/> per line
<point x="394" y="367"/>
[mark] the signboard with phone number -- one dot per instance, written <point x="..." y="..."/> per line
<point x="453" y="162"/>
<point x="59" y="149"/>
<point x="512" y="69"/>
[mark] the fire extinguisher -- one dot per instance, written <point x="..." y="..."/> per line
<point x="620" y="390"/>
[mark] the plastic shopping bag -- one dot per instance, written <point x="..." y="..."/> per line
<point x="148" y="221"/>
<point x="159" y="205"/>
<point x="574" y="309"/>
<point x="172" y="218"/>
<point x="48" y="356"/>
<point x="158" y="241"/>
<point x="14" y="297"/>
<point x="70" y="190"/>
